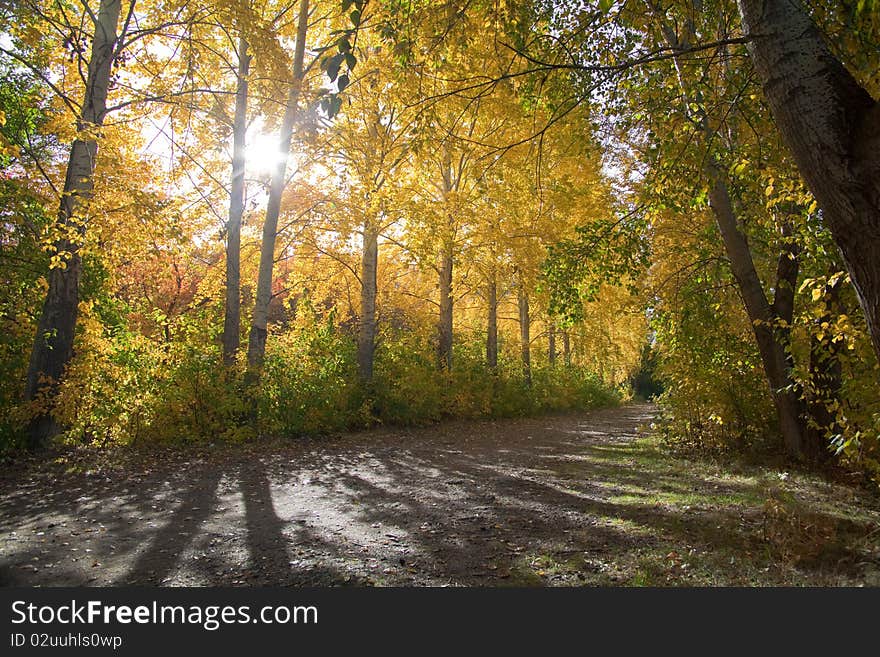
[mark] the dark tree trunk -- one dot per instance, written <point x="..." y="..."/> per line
<point x="53" y="343"/>
<point x="832" y="128"/>
<point x="551" y="344"/>
<point x="444" y="328"/>
<point x="775" y="360"/>
<point x="492" y="326"/>
<point x="566" y="349"/>
<point x="525" y="334"/>
<point x="232" y="315"/>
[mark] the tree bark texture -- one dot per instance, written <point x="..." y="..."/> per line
<point x="53" y="343"/>
<point x="831" y="125"/>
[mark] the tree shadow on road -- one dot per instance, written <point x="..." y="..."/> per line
<point x="168" y="546"/>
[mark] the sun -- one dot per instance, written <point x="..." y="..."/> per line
<point x="262" y="153"/>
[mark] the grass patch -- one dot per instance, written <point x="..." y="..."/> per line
<point x="700" y="522"/>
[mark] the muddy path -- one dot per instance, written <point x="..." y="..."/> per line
<point x="518" y="502"/>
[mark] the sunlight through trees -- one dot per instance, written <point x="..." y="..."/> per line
<point x="227" y="220"/>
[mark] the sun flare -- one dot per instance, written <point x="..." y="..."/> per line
<point x="262" y="153"/>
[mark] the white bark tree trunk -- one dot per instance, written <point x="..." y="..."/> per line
<point x="259" y="324"/>
<point x="445" y="270"/>
<point x="367" y="325"/>
<point x="232" y="315"/>
<point x="444" y="327"/>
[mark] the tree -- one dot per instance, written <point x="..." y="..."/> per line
<point x="374" y="140"/>
<point x="259" y="323"/>
<point x="525" y="330"/>
<point x="82" y="53"/>
<point x="831" y="125"/>
<point x="232" y="309"/>
<point x="767" y="317"/>
<point x="53" y="344"/>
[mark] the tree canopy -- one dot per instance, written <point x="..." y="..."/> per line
<point x="275" y="217"/>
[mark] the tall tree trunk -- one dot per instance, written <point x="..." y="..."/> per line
<point x="260" y="321"/>
<point x="551" y="343"/>
<point x="492" y="325"/>
<point x="776" y="362"/>
<point x="367" y="325"/>
<point x="53" y="344"/>
<point x="525" y="334"/>
<point x="789" y="408"/>
<point x="445" y="266"/>
<point x="566" y="349"/>
<point x="232" y="315"/>
<point x="444" y="327"/>
<point x="831" y="125"/>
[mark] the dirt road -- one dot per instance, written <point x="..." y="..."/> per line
<point x="543" y="501"/>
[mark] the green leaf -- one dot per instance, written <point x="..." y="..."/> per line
<point x="342" y="82"/>
<point x="333" y="66"/>
<point x="331" y="104"/>
<point x="334" y="106"/>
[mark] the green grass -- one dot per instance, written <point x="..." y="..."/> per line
<point x="694" y="522"/>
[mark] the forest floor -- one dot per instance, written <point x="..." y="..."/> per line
<point x="580" y="499"/>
